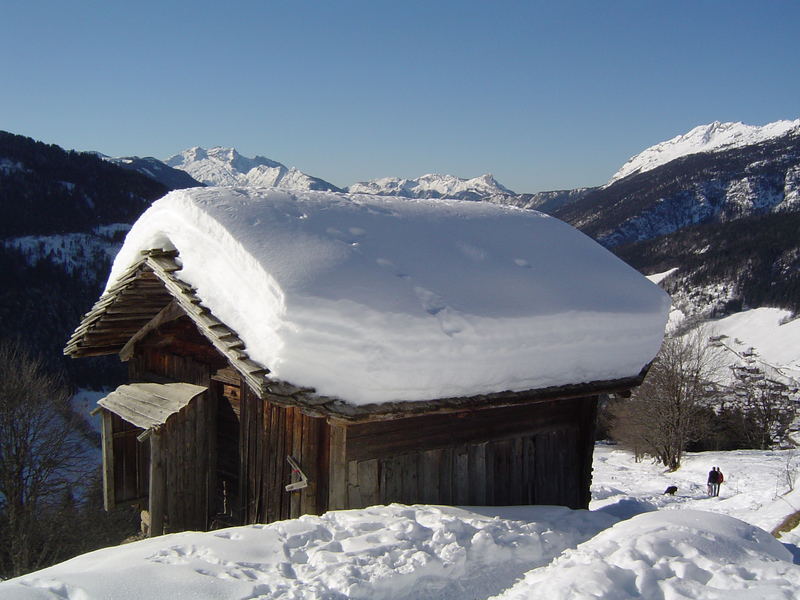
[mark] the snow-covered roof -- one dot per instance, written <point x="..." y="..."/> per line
<point x="374" y="299"/>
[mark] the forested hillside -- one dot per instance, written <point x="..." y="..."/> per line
<point x="727" y="267"/>
<point x="45" y="189"/>
<point x="64" y="214"/>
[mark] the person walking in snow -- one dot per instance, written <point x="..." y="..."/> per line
<point x="720" y="479"/>
<point x="712" y="481"/>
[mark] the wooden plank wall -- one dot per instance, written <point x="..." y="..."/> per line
<point x="536" y="454"/>
<point x="269" y="434"/>
<point x="188" y="440"/>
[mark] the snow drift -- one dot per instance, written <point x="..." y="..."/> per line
<point x="401" y="552"/>
<point x="668" y="554"/>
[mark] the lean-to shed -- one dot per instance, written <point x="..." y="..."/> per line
<point x="292" y="353"/>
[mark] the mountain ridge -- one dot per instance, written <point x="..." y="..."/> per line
<point x="712" y="137"/>
<point x="434" y="185"/>
<point x="690" y="190"/>
<point x="224" y="166"/>
<point x="158" y="170"/>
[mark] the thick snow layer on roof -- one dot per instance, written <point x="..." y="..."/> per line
<point x="376" y="299"/>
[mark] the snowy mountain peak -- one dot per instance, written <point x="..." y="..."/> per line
<point x="434" y="185"/>
<point x="223" y="166"/>
<point x="713" y="137"/>
<point x="192" y="154"/>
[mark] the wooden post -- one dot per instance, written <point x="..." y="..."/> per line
<point x="108" y="461"/>
<point x="337" y="477"/>
<point x="588" y="430"/>
<point x="157" y="485"/>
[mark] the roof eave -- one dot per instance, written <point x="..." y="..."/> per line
<point x="337" y="410"/>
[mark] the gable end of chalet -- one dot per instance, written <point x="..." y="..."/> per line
<point x="150" y="294"/>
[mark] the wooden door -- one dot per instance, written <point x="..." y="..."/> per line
<point x="227" y="503"/>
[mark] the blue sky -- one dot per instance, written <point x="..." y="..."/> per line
<point x="544" y="95"/>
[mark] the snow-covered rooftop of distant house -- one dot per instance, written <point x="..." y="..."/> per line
<point x="376" y="299"/>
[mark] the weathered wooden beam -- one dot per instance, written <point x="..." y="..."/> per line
<point x="106" y="339"/>
<point x="337" y="477"/>
<point x="107" y="439"/>
<point x="160" y="252"/>
<point x="101" y="351"/>
<point x="143" y="309"/>
<point x="157" y="485"/>
<point x="170" y="312"/>
<point x="227" y="375"/>
<point x="164" y="263"/>
<point x="124" y="329"/>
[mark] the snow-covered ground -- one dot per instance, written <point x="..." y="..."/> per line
<point x="633" y="543"/>
<point x="767" y="337"/>
<point x="756" y="488"/>
<point x="772" y="333"/>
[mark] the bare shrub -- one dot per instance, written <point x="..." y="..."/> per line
<point x="670" y="410"/>
<point x="43" y="459"/>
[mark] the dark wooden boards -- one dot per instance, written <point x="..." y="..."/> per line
<point x="187" y="439"/>
<point x="539" y="454"/>
<point x="388" y="438"/>
<point x="271" y="433"/>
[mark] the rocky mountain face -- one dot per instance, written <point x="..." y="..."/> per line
<point x="484" y="188"/>
<point x="727" y="217"/>
<point x="46" y="190"/>
<point x="547" y="202"/>
<point x="724" y="268"/>
<point x="696" y="189"/>
<point x="226" y="167"/>
<point x="713" y="137"/>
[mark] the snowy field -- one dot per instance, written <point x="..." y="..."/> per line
<point x="756" y="488"/>
<point x="635" y="542"/>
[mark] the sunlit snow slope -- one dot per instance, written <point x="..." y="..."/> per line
<point x="704" y="138"/>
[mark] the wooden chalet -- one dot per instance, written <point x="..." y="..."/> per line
<point x="203" y="436"/>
